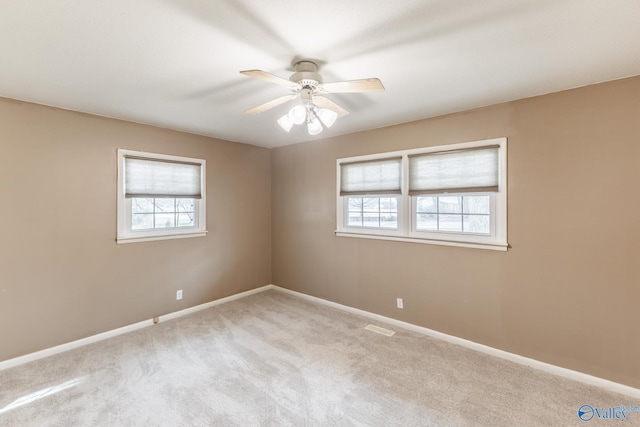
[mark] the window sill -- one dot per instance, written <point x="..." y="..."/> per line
<point x="490" y="246"/>
<point x="151" y="238"/>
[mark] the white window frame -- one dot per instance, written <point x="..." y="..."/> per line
<point x="125" y="234"/>
<point x="406" y="232"/>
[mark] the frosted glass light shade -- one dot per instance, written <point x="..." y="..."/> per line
<point x="298" y="114"/>
<point x="328" y="117"/>
<point x="314" y="126"/>
<point x="285" y="123"/>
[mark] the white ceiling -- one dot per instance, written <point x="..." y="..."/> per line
<point x="175" y="63"/>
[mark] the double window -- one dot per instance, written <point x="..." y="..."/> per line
<point x="451" y="195"/>
<point x="159" y="196"/>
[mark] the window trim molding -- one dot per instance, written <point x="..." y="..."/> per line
<point x="406" y="230"/>
<point x="124" y="233"/>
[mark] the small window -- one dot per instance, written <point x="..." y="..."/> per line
<point x="447" y="195"/>
<point x="159" y="196"/>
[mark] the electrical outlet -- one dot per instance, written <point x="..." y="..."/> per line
<point x="400" y="303"/>
<point x="179" y="294"/>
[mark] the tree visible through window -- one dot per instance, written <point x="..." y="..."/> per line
<point x="149" y="213"/>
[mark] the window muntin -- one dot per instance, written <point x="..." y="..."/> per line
<point x="465" y="208"/>
<point x="470" y="214"/>
<point x="153" y="213"/>
<point x="372" y="212"/>
<point x="160" y="196"/>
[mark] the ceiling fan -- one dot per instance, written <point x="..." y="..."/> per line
<point x="306" y="85"/>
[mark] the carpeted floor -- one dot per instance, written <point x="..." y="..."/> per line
<point x="272" y="359"/>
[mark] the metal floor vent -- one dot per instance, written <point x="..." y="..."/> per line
<point x="379" y="330"/>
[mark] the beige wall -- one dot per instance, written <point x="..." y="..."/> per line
<point x="62" y="276"/>
<point x="568" y="290"/>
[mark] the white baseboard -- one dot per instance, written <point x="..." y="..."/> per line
<point x="10" y="363"/>
<point x="214" y="303"/>
<point x="522" y="360"/>
<point x="536" y="364"/>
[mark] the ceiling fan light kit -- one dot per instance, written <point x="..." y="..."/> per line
<point x="314" y="126"/>
<point x="327" y="117"/>
<point x="285" y="123"/>
<point x="313" y="108"/>
<point x="314" y="117"/>
<point x="298" y="114"/>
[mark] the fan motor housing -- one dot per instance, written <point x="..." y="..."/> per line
<point x="306" y="74"/>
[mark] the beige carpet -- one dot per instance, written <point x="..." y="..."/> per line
<point x="272" y="359"/>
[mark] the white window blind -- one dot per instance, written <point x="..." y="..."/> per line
<point x="371" y="177"/>
<point x="161" y="178"/>
<point x="472" y="170"/>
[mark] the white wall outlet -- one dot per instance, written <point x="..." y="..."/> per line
<point x="179" y="294"/>
<point x="399" y="303"/>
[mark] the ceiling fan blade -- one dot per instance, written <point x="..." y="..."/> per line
<point x="268" y="105"/>
<point x="324" y="102"/>
<point x="351" y="86"/>
<point x="263" y="75"/>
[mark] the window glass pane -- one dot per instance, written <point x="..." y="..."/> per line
<point x="450" y="204"/>
<point x="476" y="224"/>
<point x="165" y="216"/>
<point x="427" y="222"/>
<point x="355" y="203"/>
<point x="468" y="214"/>
<point x="141" y="205"/>
<point x="450" y="222"/>
<point x="389" y="221"/>
<point x="141" y="221"/>
<point x="355" y="220"/>
<point x="427" y="204"/>
<point x="371" y="204"/>
<point x="186" y="220"/>
<point x="372" y="212"/>
<point x="388" y="204"/>
<point x="165" y="220"/>
<point x="165" y="205"/>
<point x="476" y="204"/>
<point x="185" y="205"/>
<point x="371" y="219"/>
